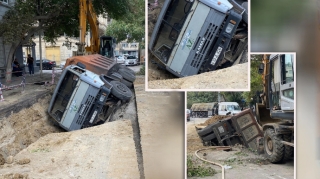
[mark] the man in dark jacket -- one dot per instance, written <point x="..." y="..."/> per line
<point x="30" y="65"/>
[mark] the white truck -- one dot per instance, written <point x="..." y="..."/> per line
<point x="227" y="108"/>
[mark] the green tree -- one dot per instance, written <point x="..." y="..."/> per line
<point x="131" y="25"/>
<point x="256" y="83"/>
<point x="54" y="17"/>
<point x="201" y="97"/>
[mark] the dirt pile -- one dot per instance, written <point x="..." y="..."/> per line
<point x="194" y="142"/>
<point x="21" y="129"/>
<point x="96" y="152"/>
<point x="213" y="119"/>
<point x="235" y="77"/>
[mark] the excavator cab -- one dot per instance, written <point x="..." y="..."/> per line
<point x="107" y="46"/>
<point x="276" y="112"/>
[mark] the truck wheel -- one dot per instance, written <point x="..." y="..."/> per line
<point x="120" y="90"/>
<point x="273" y="147"/>
<point x="127" y="69"/>
<point x="127" y="74"/>
<point x="126" y="82"/>
<point x="288" y="150"/>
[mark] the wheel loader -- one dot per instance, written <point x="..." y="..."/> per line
<point x="275" y="112"/>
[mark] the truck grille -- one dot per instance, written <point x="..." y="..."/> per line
<point x="84" y="110"/>
<point x="205" y="40"/>
<point x="203" y="43"/>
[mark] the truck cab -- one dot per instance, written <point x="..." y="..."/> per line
<point x="196" y="36"/>
<point x="228" y="108"/>
<point x="89" y="92"/>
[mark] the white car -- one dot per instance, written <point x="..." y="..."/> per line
<point x="131" y="60"/>
<point x="120" y="59"/>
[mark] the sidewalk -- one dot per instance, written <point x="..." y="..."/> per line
<point x="17" y="98"/>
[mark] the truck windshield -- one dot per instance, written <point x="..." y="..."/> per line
<point x="233" y="107"/>
<point x="170" y="27"/>
<point x="65" y="91"/>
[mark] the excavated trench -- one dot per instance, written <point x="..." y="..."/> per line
<point x="25" y="125"/>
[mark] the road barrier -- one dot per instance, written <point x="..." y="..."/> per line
<point x="5" y="87"/>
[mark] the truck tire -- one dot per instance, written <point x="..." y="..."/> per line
<point x="127" y="75"/>
<point x="127" y="69"/>
<point x="120" y="90"/>
<point x="126" y="82"/>
<point x="273" y="148"/>
<point x="288" y="150"/>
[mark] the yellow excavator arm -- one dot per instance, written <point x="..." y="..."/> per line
<point x="87" y="14"/>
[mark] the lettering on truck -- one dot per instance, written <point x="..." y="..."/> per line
<point x="200" y="45"/>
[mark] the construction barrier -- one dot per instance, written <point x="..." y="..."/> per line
<point x="4" y="87"/>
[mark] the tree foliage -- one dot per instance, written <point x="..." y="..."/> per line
<point x="54" y="17"/>
<point x="201" y="97"/>
<point x="256" y="83"/>
<point x="132" y="23"/>
<point x="57" y="17"/>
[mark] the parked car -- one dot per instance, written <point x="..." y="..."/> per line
<point x="62" y="64"/>
<point x="125" y="55"/>
<point x="131" y="60"/>
<point x="46" y="64"/>
<point x="120" y="59"/>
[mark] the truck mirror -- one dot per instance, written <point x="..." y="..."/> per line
<point x="261" y="68"/>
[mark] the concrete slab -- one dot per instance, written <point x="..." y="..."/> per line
<point x="161" y="122"/>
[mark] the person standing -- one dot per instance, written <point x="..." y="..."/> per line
<point x="30" y="65"/>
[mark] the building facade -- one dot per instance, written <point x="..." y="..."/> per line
<point x="4" y="49"/>
<point x="124" y="47"/>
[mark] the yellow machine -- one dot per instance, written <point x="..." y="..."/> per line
<point x="276" y="112"/>
<point x="103" y="45"/>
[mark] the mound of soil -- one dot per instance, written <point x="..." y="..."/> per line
<point x="21" y="129"/>
<point x="213" y="119"/>
<point x="235" y="77"/>
<point x="194" y="143"/>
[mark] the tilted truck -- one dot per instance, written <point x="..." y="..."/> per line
<point x="196" y="36"/>
<point x="276" y="112"/>
<point x="90" y="87"/>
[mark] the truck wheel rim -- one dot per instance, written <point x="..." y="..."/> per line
<point x="120" y="87"/>
<point x="269" y="146"/>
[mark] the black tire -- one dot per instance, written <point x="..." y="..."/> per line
<point x="127" y="68"/>
<point x="207" y="130"/>
<point x="120" y="90"/>
<point x="273" y="148"/>
<point x="127" y="83"/>
<point x="288" y="150"/>
<point x="127" y="75"/>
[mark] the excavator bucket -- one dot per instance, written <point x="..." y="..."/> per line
<point x="263" y="114"/>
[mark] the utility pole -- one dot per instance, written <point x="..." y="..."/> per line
<point x="40" y="49"/>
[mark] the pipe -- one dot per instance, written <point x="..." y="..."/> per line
<point x="214" y="147"/>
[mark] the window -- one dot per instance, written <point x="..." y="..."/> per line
<point x="4" y="1"/>
<point x="124" y="45"/>
<point x="287" y="66"/>
<point x="133" y="45"/>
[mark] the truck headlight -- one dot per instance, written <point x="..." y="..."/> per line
<point x="102" y="97"/>
<point x="229" y="28"/>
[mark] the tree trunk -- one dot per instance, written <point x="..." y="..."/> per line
<point x="9" y="60"/>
